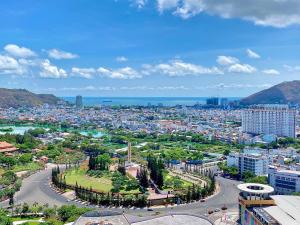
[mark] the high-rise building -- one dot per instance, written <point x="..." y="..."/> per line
<point x="284" y="181"/>
<point x="214" y="101"/>
<point x="79" y="103"/>
<point x="269" y="119"/>
<point x="224" y="101"/>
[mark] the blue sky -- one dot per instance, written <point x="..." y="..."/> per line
<point x="148" y="47"/>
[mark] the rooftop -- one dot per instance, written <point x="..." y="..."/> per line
<point x="4" y="144"/>
<point x="254" y="188"/>
<point x="283" y="170"/>
<point x="287" y="209"/>
<point x="7" y="147"/>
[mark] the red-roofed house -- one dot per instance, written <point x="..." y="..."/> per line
<point x="7" y="147"/>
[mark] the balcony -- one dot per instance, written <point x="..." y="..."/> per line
<point x="256" y="202"/>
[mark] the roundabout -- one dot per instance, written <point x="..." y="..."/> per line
<point x="36" y="188"/>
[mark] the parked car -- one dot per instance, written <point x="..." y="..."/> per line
<point x="224" y="207"/>
<point x="210" y="212"/>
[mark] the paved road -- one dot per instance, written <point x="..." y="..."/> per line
<point x="36" y="188"/>
<point x="125" y="149"/>
<point x="228" y="196"/>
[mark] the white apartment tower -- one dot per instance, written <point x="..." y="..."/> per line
<point x="269" y="119"/>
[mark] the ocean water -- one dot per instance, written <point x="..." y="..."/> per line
<point x="142" y="101"/>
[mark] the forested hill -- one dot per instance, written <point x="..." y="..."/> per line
<point x="20" y="97"/>
<point x="283" y="93"/>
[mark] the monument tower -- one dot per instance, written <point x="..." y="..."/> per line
<point x="129" y="153"/>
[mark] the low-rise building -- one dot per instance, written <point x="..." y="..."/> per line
<point x="284" y="181"/>
<point x="258" y="207"/>
<point x="233" y="159"/>
<point x="257" y="163"/>
<point x="7" y="147"/>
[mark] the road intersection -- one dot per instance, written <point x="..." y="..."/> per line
<point x="37" y="188"/>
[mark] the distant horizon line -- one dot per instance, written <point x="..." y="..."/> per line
<point x="152" y="96"/>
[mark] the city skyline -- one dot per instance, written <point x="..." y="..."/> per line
<point x="144" y="48"/>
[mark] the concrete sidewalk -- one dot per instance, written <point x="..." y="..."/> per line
<point x="228" y="218"/>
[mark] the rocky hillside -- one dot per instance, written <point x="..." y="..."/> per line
<point x="283" y="93"/>
<point x="20" y="97"/>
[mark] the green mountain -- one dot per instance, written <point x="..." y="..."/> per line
<point x="283" y="93"/>
<point x="20" y="97"/>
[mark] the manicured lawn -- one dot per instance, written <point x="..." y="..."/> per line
<point x="1" y="171"/>
<point x="33" y="166"/>
<point x="184" y="183"/>
<point x="70" y="157"/>
<point x="33" y="222"/>
<point x="24" y="218"/>
<point x="114" y="145"/>
<point x="135" y="191"/>
<point x="102" y="184"/>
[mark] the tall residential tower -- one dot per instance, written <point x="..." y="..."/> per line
<point x="79" y="103"/>
<point x="269" y="119"/>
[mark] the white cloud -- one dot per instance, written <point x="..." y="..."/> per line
<point x="241" y="68"/>
<point x="83" y="72"/>
<point x="59" y="54"/>
<point x="179" y="68"/>
<point x="253" y="55"/>
<point x="50" y="71"/>
<point x="123" y="88"/>
<point x="172" y="88"/>
<point x="271" y="72"/>
<point x="233" y="85"/>
<point x="136" y="88"/>
<point x="89" y="88"/>
<point x="121" y="59"/>
<point x="292" y="68"/>
<point x="226" y="60"/>
<point x="9" y="65"/>
<point x="28" y="62"/>
<point x="149" y="88"/>
<point x="122" y="73"/>
<point x="19" y="52"/>
<point x="276" y="13"/>
<point x="166" y="4"/>
<point x="106" y="88"/>
<point x="25" y="67"/>
<point x="140" y="3"/>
